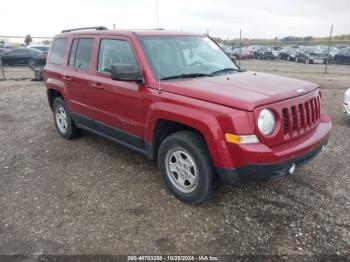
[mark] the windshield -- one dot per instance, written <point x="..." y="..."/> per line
<point x="185" y="55"/>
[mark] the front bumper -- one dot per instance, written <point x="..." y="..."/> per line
<point x="262" y="167"/>
<point x="261" y="172"/>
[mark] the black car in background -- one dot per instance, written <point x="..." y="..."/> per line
<point x="311" y="55"/>
<point x="343" y="56"/>
<point x="288" y="54"/>
<point x="22" y="56"/>
<point x="263" y="52"/>
<point x="332" y="51"/>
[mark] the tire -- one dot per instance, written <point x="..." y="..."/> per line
<point x="63" y="121"/>
<point x="32" y="62"/>
<point x="198" y="173"/>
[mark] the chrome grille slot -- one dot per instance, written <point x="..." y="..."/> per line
<point x="301" y="117"/>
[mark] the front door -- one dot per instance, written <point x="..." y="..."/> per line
<point x="120" y="102"/>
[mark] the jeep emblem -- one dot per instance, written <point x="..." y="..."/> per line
<point x="301" y="90"/>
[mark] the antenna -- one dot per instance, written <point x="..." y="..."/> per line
<point x="157" y="22"/>
<point x="158" y="60"/>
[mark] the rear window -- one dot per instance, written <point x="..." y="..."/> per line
<point x="57" y="53"/>
<point x="80" y="54"/>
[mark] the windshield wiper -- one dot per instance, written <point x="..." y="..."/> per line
<point x="224" y="70"/>
<point x="193" y="75"/>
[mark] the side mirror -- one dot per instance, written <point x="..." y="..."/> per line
<point x="126" y="72"/>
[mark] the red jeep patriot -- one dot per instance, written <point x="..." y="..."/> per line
<point x="178" y="98"/>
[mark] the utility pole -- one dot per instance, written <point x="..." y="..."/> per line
<point x="329" y="47"/>
<point x="240" y="47"/>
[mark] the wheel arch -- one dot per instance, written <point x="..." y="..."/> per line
<point x="52" y="94"/>
<point x="164" y="120"/>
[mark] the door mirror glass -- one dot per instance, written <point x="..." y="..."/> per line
<point x="125" y="72"/>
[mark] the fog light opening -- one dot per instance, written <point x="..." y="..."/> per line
<point x="292" y="169"/>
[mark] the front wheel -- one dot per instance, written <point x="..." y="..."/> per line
<point x="63" y="122"/>
<point x="32" y="62"/>
<point x="186" y="167"/>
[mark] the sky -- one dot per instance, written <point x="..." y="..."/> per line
<point x="222" y="18"/>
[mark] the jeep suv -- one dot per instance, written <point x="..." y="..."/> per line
<point x="179" y="99"/>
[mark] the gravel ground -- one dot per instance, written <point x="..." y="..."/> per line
<point x="90" y="196"/>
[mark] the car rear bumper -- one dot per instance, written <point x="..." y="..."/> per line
<point x="285" y="161"/>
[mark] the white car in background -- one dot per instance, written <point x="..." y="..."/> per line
<point x="347" y="102"/>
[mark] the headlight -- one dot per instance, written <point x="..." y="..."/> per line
<point x="266" y="122"/>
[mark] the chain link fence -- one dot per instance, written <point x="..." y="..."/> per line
<point x="290" y="54"/>
<point x="20" y="71"/>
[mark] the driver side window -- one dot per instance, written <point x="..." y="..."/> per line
<point x="113" y="51"/>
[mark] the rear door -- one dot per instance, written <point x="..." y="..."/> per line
<point x="78" y="77"/>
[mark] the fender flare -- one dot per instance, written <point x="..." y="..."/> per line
<point x="202" y="121"/>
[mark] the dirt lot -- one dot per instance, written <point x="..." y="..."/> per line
<point x="90" y="196"/>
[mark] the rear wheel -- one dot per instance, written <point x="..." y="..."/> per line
<point x="63" y="122"/>
<point x="186" y="167"/>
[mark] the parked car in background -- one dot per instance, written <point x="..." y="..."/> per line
<point x="343" y="56"/>
<point x="332" y="51"/>
<point x="347" y="102"/>
<point x="21" y="56"/>
<point x="263" y="52"/>
<point x="229" y="51"/>
<point x="288" y="54"/>
<point x="311" y="55"/>
<point x="252" y="48"/>
<point x="241" y="52"/>
<point x="276" y="50"/>
<point x="7" y="46"/>
<point x="43" y="48"/>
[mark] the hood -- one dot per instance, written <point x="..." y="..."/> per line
<point x="244" y="90"/>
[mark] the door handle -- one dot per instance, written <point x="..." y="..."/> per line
<point x="65" y="77"/>
<point x="97" y="85"/>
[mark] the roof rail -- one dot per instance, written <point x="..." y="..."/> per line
<point x="85" y="28"/>
<point x="139" y="29"/>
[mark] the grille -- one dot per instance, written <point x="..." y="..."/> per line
<point x="301" y="117"/>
